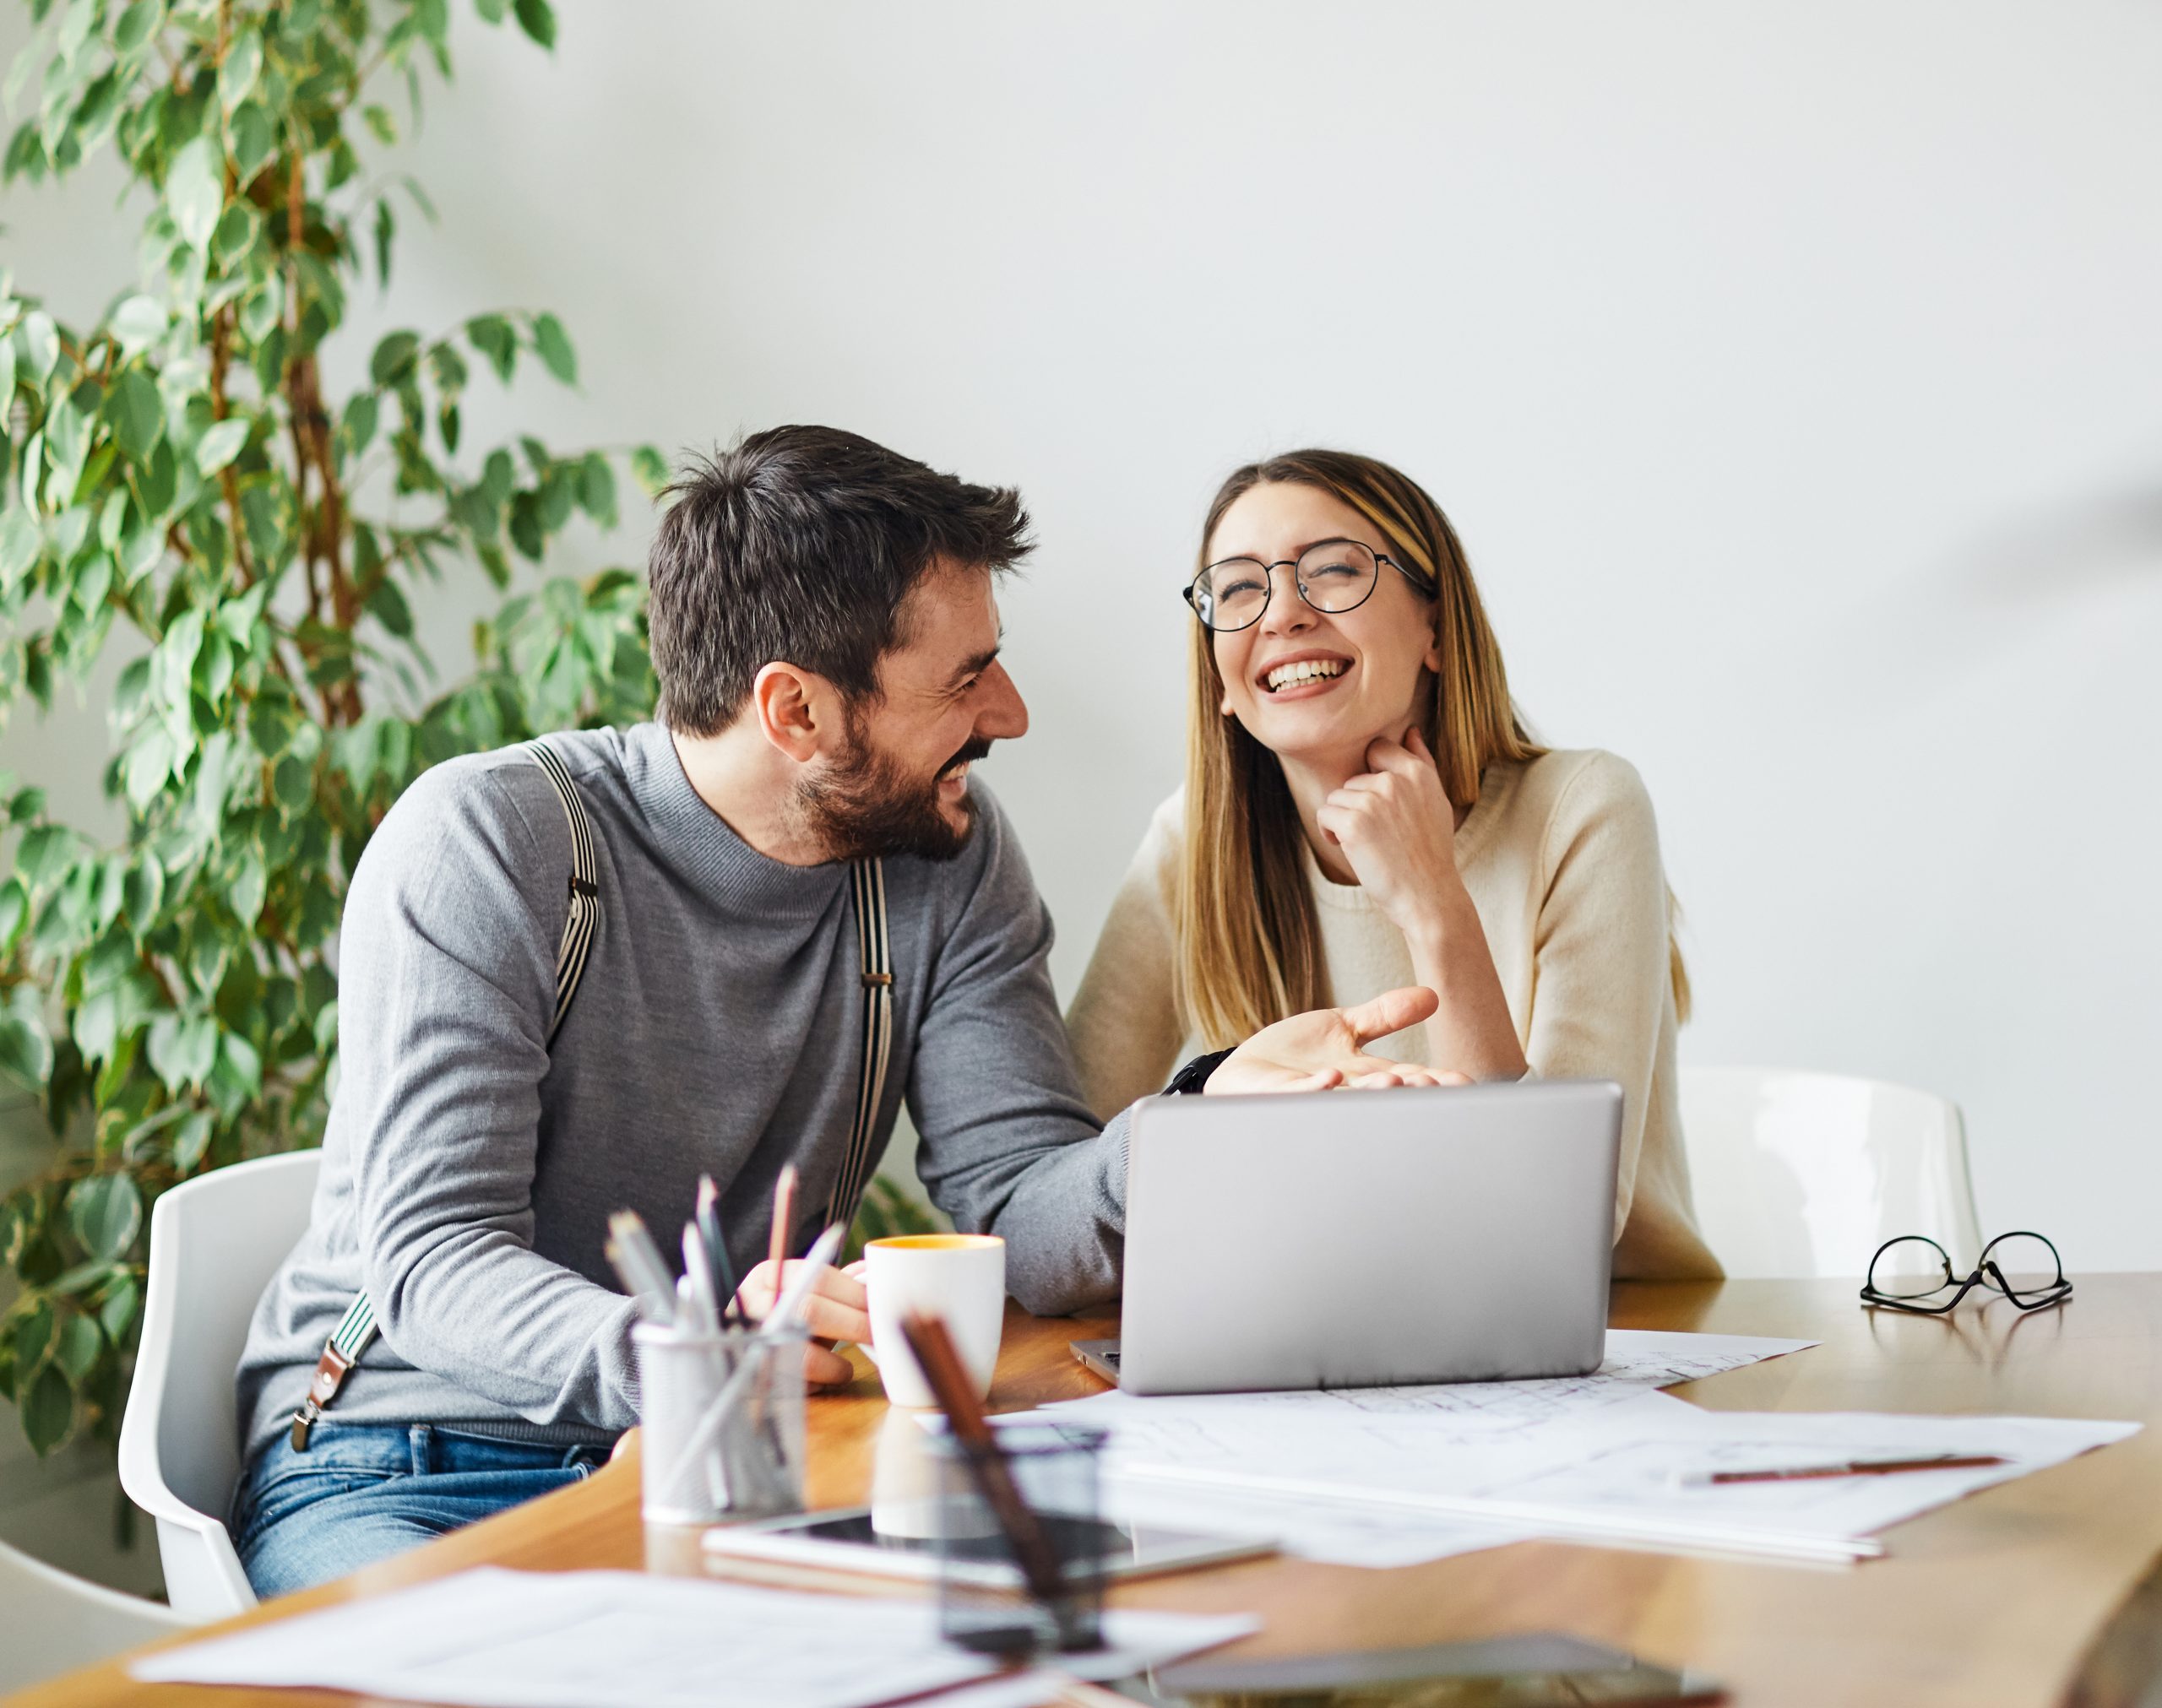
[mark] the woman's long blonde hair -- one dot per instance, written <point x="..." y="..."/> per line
<point x="1249" y="940"/>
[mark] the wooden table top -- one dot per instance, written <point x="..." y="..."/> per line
<point x="1991" y="1600"/>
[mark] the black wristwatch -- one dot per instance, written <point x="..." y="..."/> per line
<point x="1192" y="1079"/>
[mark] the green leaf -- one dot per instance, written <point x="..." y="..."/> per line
<point x="145" y="892"/>
<point x="649" y="469"/>
<point x="138" y="24"/>
<point x="20" y="542"/>
<point x="105" y="1213"/>
<point x="388" y="607"/>
<point x="597" y="489"/>
<point x="491" y="11"/>
<point x="80" y="1345"/>
<point x="249" y="884"/>
<point x="292" y="783"/>
<point x="221" y="443"/>
<point x="554" y="344"/>
<point x="537" y="19"/>
<point x="241" y="1057"/>
<point x="45" y="853"/>
<point x="191" y="1140"/>
<point x="39" y="340"/>
<point x="116" y="1316"/>
<point x="137" y="413"/>
<point x="379" y="121"/>
<point x="496" y="339"/>
<point x="254" y="139"/>
<point x="80" y="1279"/>
<point x="243" y="65"/>
<point x="139" y="322"/>
<point x="238" y="229"/>
<point x="195" y="191"/>
<point x="359" y="426"/>
<point x="386" y="229"/>
<point x="14" y="909"/>
<point x="97" y="1026"/>
<point x="25" y="1052"/>
<point x="393" y="358"/>
<point x="48" y="1410"/>
<point x="33" y="1335"/>
<point x="146" y="766"/>
<point x="183" y="1049"/>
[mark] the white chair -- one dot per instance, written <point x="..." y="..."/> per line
<point x="214" y="1242"/>
<point x="1799" y="1174"/>
<point x="56" y="1621"/>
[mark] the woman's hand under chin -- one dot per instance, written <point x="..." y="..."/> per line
<point x="1397" y="827"/>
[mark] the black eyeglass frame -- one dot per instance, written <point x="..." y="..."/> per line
<point x="1426" y="589"/>
<point x="1986" y="1273"/>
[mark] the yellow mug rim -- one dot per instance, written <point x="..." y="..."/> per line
<point x="934" y="1241"/>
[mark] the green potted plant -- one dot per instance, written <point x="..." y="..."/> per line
<point x="180" y="484"/>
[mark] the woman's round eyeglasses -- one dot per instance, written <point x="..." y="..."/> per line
<point x="1332" y="576"/>
<point x="1912" y="1269"/>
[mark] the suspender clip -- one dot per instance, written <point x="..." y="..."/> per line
<point x="330" y="1372"/>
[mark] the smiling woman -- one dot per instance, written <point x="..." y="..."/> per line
<point x="1363" y="809"/>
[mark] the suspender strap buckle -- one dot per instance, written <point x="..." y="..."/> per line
<point x="330" y="1372"/>
<point x="872" y="981"/>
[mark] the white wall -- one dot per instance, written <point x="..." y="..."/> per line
<point x="1792" y="372"/>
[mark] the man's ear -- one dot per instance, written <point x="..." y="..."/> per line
<point x="798" y="711"/>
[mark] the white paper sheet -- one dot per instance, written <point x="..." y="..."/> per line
<point x="1330" y="1531"/>
<point x="1636" y="1359"/>
<point x="496" y="1638"/>
<point x="1607" y="1472"/>
<point x="1593" y="1456"/>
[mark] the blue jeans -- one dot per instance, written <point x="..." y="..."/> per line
<point x="362" y="1492"/>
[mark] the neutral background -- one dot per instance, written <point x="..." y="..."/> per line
<point x="1793" y="372"/>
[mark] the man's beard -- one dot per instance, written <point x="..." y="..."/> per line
<point x="863" y="807"/>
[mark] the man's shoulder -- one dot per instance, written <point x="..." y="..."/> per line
<point x="488" y="813"/>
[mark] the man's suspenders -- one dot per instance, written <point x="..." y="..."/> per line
<point x="357" y="1329"/>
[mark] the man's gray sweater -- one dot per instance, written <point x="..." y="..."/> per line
<point x="468" y="1169"/>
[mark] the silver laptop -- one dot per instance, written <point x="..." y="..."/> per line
<point x="1357" y="1239"/>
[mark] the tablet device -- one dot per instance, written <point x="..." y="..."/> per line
<point x="846" y="1540"/>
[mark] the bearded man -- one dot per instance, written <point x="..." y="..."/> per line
<point x="826" y="636"/>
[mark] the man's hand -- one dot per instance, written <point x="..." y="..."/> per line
<point x="1326" y="1049"/>
<point x="838" y="1309"/>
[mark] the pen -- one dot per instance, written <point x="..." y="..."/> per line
<point x="788" y="1305"/>
<point x="709" y="1230"/>
<point x="704" y="1311"/>
<point x="1852" y="1468"/>
<point x="988" y="1467"/>
<point x="784" y="1224"/>
<point x="638" y="1261"/>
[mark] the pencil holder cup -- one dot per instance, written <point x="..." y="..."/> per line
<point x="984" y="1601"/>
<point x="722" y="1424"/>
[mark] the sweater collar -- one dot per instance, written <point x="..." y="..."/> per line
<point x="702" y="845"/>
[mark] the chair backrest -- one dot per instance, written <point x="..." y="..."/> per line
<point x="56" y="1621"/>
<point x="1798" y="1174"/>
<point x="214" y="1242"/>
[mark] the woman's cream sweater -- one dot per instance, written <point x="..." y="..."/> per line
<point x="1561" y="856"/>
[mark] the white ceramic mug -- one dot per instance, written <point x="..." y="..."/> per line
<point x="959" y="1277"/>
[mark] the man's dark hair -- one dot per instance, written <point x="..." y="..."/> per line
<point x="800" y="544"/>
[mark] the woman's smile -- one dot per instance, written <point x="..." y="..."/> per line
<point x="1304" y="676"/>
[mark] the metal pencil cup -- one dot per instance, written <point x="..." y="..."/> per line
<point x="984" y="1603"/>
<point x="722" y="1424"/>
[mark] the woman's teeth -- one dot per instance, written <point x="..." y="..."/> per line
<point x="1308" y="671"/>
